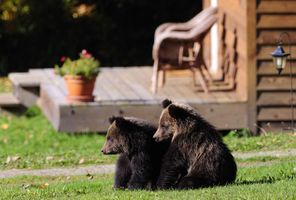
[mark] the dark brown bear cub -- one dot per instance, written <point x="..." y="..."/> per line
<point x="197" y="156"/>
<point x="140" y="157"/>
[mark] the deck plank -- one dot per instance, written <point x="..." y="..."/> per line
<point x="189" y="93"/>
<point x="108" y="87"/>
<point x="56" y="80"/>
<point x="100" y="92"/>
<point x="162" y="92"/>
<point x="179" y="88"/>
<point x="173" y="86"/>
<point x="129" y="92"/>
<point x="144" y="78"/>
<point x="131" y="80"/>
<point x="119" y="86"/>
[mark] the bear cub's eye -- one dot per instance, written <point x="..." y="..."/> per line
<point x="163" y="126"/>
<point x="109" y="138"/>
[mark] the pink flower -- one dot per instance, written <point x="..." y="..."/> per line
<point x="85" y="54"/>
<point x="84" y="51"/>
<point x="88" y="55"/>
<point x="62" y="59"/>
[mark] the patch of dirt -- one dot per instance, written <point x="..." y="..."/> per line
<point x="282" y="153"/>
<point x="108" y="169"/>
<point x="95" y="169"/>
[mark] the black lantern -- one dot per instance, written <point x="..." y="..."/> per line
<point x="279" y="58"/>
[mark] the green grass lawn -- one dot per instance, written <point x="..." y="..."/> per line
<point x="266" y="142"/>
<point x="264" y="159"/>
<point x="31" y="142"/>
<point x="5" y="85"/>
<point x="277" y="181"/>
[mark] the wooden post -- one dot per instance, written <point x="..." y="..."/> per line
<point x="206" y="50"/>
<point x="251" y="65"/>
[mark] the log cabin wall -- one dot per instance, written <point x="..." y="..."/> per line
<point x="272" y="90"/>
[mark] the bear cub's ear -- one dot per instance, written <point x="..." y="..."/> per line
<point x="165" y="103"/>
<point x="124" y="124"/>
<point x="118" y="120"/>
<point x="177" y="111"/>
<point x="112" y="119"/>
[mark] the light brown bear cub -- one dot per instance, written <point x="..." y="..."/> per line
<point x="197" y="156"/>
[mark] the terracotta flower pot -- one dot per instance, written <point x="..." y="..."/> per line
<point x="80" y="88"/>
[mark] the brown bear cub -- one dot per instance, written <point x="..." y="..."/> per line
<point x="197" y="156"/>
<point x="140" y="157"/>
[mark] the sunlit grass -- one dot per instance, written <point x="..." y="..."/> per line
<point x="277" y="181"/>
<point x="31" y="142"/>
<point x="266" y="142"/>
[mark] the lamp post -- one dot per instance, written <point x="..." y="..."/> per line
<point x="279" y="59"/>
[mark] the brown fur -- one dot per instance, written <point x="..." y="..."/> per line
<point x="197" y="156"/>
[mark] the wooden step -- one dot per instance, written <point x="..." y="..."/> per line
<point x="274" y="114"/>
<point x="277" y="6"/>
<point x="26" y="86"/>
<point x="274" y="83"/>
<point x="275" y="99"/>
<point x="8" y="100"/>
<point x="25" y="79"/>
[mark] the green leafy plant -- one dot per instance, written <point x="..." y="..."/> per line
<point x="86" y="65"/>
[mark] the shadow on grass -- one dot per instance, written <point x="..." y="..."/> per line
<point x="17" y="111"/>
<point x="266" y="180"/>
<point x="78" y="134"/>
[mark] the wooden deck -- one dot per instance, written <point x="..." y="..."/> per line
<point x="126" y="91"/>
<point x="133" y="85"/>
